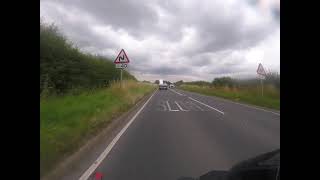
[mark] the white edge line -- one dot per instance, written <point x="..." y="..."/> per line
<point x="176" y="92"/>
<point x="197" y="106"/>
<point x="248" y="106"/>
<point x="256" y="108"/>
<point x="206" y="105"/>
<point x="180" y="106"/>
<point x="104" y="154"/>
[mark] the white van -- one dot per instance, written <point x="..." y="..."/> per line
<point x="162" y="85"/>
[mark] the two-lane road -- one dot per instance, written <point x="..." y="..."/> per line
<point x="179" y="133"/>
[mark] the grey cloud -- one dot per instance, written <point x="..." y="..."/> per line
<point x="166" y="70"/>
<point x="161" y="70"/>
<point x="276" y="13"/>
<point x="134" y="17"/>
<point x="217" y="33"/>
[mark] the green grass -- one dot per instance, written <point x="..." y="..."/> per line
<point x="68" y="121"/>
<point x="249" y="95"/>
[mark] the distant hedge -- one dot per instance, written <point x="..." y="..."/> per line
<point x="64" y="67"/>
<point x="272" y="78"/>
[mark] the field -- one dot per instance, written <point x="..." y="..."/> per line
<point x="250" y="95"/>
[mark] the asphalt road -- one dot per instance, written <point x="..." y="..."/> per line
<point x="180" y="133"/>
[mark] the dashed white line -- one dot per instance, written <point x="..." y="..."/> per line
<point x="170" y="107"/>
<point x="176" y="92"/>
<point x="206" y="105"/>
<point x="180" y="106"/>
<point x="104" y="154"/>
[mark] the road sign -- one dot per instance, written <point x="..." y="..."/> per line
<point x="262" y="74"/>
<point x="261" y="70"/>
<point x="121" y="66"/>
<point x="121" y="62"/>
<point x="121" y="58"/>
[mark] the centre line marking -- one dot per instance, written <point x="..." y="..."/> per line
<point x="180" y="106"/>
<point x="170" y="107"/>
<point x="206" y="105"/>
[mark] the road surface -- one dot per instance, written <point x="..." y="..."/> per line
<point x="180" y="133"/>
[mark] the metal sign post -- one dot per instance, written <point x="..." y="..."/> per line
<point x="261" y="81"/>
<point x="121" y="78"/>
<point x="121" y="62"/>
<point x="262" y="74"/>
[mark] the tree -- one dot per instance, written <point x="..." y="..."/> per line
<point x="63" y="67"/>
<point x="178" y="83"/>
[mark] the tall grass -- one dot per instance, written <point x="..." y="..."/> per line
<point x="246" y="94"/>
<point x="66" y="122"/>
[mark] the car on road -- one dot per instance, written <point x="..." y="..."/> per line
<point x="163" y="85"/>
<point x="171" y="86"/>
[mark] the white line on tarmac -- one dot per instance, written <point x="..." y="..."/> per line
<point x="248" y="106"/>
<point x="176" y="92"/>
<point x="170" y="107"/>
<point x="256" y="108"/>
<point x="104" y="154"/>
<point x="180" y="106"/>
<point x="197" y="106"/>
<point x="206" y="105"/>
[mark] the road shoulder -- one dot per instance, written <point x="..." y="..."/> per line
<point x="73" y="166"/>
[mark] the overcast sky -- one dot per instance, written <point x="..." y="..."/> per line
<point x="175" y="39"/>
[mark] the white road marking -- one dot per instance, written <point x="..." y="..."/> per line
<point x="170" y="107"/>
<point x="180" y="106"/>
<point x="176" y="92"/>
<point x="256" y="108"/>
<point x="93" y="167"/>
<point x="248" y="106"/>
<point x="206" y="105"/>
<point x="196" y="106"/>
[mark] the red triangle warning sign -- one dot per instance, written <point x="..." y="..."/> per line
<point x="260" y="70"/>
<point x="121" y="58"/>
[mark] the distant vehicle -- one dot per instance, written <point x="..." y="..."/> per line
<point x="162" y="85"/>
<point x="171" y="86"/>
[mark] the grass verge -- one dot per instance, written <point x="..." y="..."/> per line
<point x="248" y="95"/>
<point x="66" y="122"/>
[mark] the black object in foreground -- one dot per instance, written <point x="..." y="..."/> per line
<point x="262" y="167"/>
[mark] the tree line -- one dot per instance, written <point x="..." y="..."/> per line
<point x="63" y="67"/>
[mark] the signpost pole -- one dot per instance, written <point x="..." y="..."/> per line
<point x="261" y="81"/>
<point x="261" y="72"/>
<point x="121" y="78"/>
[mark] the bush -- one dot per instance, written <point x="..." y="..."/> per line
<point x="64" y="67"/>
<point x="224" y="81"/>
